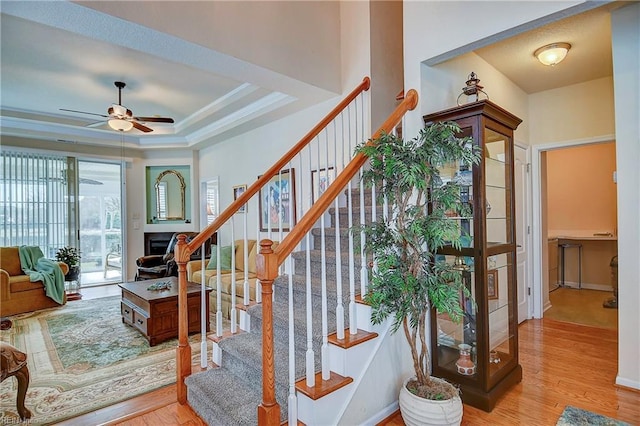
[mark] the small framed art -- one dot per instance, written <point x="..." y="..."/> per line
<point x="278" y="202"/>
<point x="320" y="181"/>
<point x="238" y="190"/>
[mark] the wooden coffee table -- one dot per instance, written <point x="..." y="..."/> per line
<point x="155" y="312"/>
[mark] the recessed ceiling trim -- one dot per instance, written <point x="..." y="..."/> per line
<point x="215" y="106"/>
<point x="263" y="106"/>
<point x="21" y="127"/>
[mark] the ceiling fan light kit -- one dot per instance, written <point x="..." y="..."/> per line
<point x="552" y="54"/>
<point x="120" y="124"/>
<point x="121" y="118"/>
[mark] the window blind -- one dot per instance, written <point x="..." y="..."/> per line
<point x="34" y="201"/>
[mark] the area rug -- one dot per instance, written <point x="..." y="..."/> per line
<point x="82" y="357"/>
<point x="573" y="416"/>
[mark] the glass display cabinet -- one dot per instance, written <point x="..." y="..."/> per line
<point x="480" y="353"/>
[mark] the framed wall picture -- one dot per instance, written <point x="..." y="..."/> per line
<point x="277" y="202"/>
<point x="492" y="284"/>
<point x="320" y="181"/>
<point x="238" y="190"/>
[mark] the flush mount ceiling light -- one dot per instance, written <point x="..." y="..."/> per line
<point x="553" y="53"/>
<point x="120" y="124"/>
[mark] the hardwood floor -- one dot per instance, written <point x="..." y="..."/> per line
<point x="563" y="364"/>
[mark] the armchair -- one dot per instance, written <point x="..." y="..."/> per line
<point x="164" y="265"/>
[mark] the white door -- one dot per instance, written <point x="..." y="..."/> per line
<point x="523" y="231"/>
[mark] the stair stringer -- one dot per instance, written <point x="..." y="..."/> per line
<point x="378" y="368"/>
<point x="374" y="394"/>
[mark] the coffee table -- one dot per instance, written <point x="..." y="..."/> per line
<point x="155" y="312"/>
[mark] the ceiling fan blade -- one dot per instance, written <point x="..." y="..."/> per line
<point x="84" y="112"/>
<point x="96" y="124"/>
<point x="155" y="119"/>
<point x="141" y="127"/>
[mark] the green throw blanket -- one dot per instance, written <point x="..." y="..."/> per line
<point x="39" y="268"/>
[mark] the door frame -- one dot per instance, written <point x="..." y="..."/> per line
<point x="527" y="214"/>
<point x="122" y="164"/>
<point x="537" y="213"/>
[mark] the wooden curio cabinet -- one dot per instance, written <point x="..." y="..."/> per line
<point x="488" y="334"/>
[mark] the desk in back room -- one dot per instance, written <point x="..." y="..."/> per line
<point x="597" y="251"/>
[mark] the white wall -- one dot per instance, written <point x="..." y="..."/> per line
<point x="441" y="84"/>
<point x="241" y="159"/>
<point x="626" y="69"/>
<point x="135" y="208"/>
<point x="573" y="112"/>
<point x="432" y="28"/>
<point x="298" y="39"/>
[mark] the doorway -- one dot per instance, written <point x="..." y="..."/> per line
<point x="100" y="222"/>
<point x="576" y="217"/>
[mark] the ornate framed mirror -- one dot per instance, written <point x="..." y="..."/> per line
<point x="170" y="196"/>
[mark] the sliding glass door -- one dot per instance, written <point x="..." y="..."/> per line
<point x="100" y="222"/>
<point x="53" y="201"/>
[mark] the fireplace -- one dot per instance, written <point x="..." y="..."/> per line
<point x="157" y="243"/>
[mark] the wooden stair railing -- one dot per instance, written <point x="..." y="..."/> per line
<point x="268" y="260"/>
<point x="184" y="250"/>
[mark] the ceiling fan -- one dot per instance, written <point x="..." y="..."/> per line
<point x="121" y="118"/>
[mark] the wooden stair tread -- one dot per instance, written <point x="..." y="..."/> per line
<point x="197" y="368"/>
<point x="360" y="299"/>
<point x="213" y="337"/>
<point x="322" y="387"/>
<point x="243" y="307"/>
<point x="351" y="340"/>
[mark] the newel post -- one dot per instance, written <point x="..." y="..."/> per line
<point x="183" y="352"/>
<point x="267" y="269"/>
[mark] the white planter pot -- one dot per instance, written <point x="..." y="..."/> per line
<point x="418" y="411"/>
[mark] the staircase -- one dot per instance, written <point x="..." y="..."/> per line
<point x="306" y="352"/>
<point x="230" y="393"/>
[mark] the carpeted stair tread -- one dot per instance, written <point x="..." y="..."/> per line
<point x="315" y="262"/>
<point x="247" y="347"/>
<point x="237" y="407"/>
<point x="356" y="209"/>
<point x="281" y="288"/>
<point x="316" y="255"/>
<point x="281" y="323"/>
<point x="330" y="239"/>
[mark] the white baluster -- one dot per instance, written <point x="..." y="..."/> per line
<point x="310" y="362"/>
<point x="258" y="285"/>
<point x="246" y="258"/>
<point x="204" y="314"/>
<point x="325" y="341"/>
<point x="292" y="400"/>
<point x="234" y="326"/>
<point x="363" y="240"/>
<point x="216" y="353"/>
<point x="339" y="306"/>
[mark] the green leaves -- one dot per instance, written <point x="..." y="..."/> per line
<point x="407" y="280"/>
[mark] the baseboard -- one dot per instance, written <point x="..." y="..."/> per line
<point x="626" y="383"/>
<point x="383" y="414"/>
<point x="589" y="286"/>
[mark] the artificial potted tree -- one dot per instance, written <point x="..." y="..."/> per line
<point x="409" y="278"/>
<point x="70" y="256"/>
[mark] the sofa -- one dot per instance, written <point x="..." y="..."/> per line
<point x="194" y="273"/>
<point x="17" y="293"/>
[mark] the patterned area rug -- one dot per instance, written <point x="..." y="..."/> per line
<point x="573" y="416"/>
<point x="82" y="358"/>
